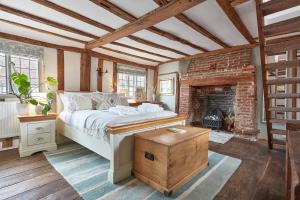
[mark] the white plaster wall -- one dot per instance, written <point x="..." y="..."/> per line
<point x="94" y="66"/>
<point x="107" y="85"/>
<point x="50" y="62"/>
<point x="72" y="71"/>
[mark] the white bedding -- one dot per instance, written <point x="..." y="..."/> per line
<point x="98" y="121"/>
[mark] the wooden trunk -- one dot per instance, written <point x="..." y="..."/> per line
<point x="166" y="160"/>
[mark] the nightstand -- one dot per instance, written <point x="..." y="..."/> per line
<point x="37" y="133"/>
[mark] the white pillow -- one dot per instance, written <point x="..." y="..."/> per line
<point x="67" y="102"/>
<point x="82" y="102"/>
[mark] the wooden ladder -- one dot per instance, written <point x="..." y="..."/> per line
<point x="279" y="75"/>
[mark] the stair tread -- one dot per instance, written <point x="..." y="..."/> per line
<point x="277" y="141"/>
<point x="278" y="132"/>
<point x="284" y="95"/>
<point x="284" y="121"/>
<point x="280" y="81"/>
<point x="285" y="109"/>
<point x="283" y="65"/>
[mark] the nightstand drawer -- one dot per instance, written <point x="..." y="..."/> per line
<point x="41" y="127"/>
<point x="40" y="138"/>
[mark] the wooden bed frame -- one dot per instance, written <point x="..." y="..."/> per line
<point x="119" y="147"/>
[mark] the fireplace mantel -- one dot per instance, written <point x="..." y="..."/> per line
<point x="215" y="81"/>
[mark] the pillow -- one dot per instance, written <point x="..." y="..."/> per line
<point x="67" y="102"/>
<point x="104" y="101"/>
<point x="82" y="102"/>
<point x="122" y="101"/>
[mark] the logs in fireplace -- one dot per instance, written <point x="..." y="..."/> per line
<point x="214" y="119"/>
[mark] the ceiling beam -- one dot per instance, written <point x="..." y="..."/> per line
<point x="274" y="6"/>
<point x="42" y="31"/>
<point x="129" y="54"/>
<point x="39" y="43"/>
<point x="283" y="27"/>
<point x="183" y="18"/>
<point x="119" y="60"/>
<point x="45" y="21"/>
<point x="236" y="20"/>
<point x="77" y="40"/>
<point x="130" y="18"/>
<point x="141" y="50"/>
<point x="215" y="52"/>
<point x="237" y="2"/>
<point x="149" y="19"/>
<point x="70" y="48"/>
<point x="87" y="20"/>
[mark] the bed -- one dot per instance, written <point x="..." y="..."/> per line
<point x="116" y="144"/>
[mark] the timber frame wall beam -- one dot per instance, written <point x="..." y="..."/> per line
<point x="236" y="20"/>
<point x="77" y="16"/>
<point x="146" y="21"/>
<point x="183" y="18"/>
<point x="130" y="18"/>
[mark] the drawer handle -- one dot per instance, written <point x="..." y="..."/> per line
<point x="149" y="156"/>
<point x="39" y="128"/>
<point x="39" y="138"/>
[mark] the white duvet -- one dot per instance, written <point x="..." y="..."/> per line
<point x="99" y="120"/>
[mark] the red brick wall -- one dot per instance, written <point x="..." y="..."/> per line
<point x="232" y="64"/>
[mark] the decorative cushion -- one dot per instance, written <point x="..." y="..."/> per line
<point x="122" y="101"/>
<point x="82" y="102"/>
<point x="103" y="101"/>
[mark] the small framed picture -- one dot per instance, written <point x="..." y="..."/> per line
<point x="166" y="87"/>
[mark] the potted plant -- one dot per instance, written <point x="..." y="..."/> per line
<point x="21" y="88"/>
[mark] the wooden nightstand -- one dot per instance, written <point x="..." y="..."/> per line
<point x="37" y="133"/>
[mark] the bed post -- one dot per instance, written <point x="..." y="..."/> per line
<point x="120" y="170"/>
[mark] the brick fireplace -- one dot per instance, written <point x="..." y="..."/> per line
<point x="226" y="81"/>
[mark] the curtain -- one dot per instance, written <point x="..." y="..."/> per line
<point x="131" y="70"/>
<point x="20" y="49"/>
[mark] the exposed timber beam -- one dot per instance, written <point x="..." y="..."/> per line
<point x="183" y="18"/>
<point x="274" y="6"/>
<point x="141" y="50"/>
<point x="129" y="54"/>
<point x="215" y="52"/>
<point x="75" y="15"/>
<point x="235" y="19"/>
<point x="45" y="21"/>
<point x="151" y="18"/>
<point x="70" y="48"/>
<point x="118" y="60"/>
<point x="130" y="18"/>
<point x="42" y="31"/>
<point x="283" y="27"/>
<point x="237" y="2"/>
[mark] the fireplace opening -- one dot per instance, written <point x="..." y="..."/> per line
<point x="214" y="107"/>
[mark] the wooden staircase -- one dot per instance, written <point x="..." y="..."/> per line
<point x="280" y="61"/>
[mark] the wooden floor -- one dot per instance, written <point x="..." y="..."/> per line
<point x="260" y="176"/>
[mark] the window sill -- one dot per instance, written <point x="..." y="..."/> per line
<point x="7" y="96"/>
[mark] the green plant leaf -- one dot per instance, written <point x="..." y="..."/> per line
<point x="32" y="101"/>
<point x="50" y="96"/>
<point x="51" y="81"/>
<point x="46" y="109"/>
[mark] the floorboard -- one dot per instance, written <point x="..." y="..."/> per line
<point x="260" y="176"/>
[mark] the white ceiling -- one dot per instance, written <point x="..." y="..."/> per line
<point x="208" y="14"/>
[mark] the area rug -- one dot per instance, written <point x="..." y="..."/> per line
<point x="219" y="136"/>
<point x="87" y="173"/>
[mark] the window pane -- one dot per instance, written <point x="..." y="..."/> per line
<point x="33" y="64"/>
<point x="2" y="71"/>
<point x="2" y="84"/>
<point x="25" y="63"/>
<point x="2" y="60"/>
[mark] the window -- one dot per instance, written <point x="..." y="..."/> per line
<point x="132" y="82"/>
<point x="25" y="65"/>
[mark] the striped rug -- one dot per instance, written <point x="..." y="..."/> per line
<point x="87" y="173"/>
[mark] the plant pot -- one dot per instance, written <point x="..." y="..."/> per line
<point x="22" y="108"/>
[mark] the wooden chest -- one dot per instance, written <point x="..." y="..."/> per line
<point x="166" y="160"/>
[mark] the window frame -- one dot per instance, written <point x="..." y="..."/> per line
<point x="131" y="85"/>
<point x="8" y="71"/>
